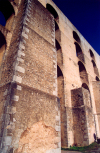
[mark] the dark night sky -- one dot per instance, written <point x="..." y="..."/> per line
<point x="2" y="19"/>
<point x="85" y="16"/>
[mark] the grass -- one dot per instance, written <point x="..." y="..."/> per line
<point x="92" y="146"/>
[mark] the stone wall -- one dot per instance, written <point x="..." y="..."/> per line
<point x="30" y="68"/>
<point x="63" y="118"/>
<point x="36" y="121"/>
<point x="89" y="114"/>
<point x="29" y="113"/>
<point x="96" y="89"/>
<point x="29" y="85"/>
<point x="83" y="119"/>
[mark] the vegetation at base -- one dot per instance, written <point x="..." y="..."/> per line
<point x="92" y="146"/>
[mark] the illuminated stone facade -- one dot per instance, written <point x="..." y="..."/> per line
<point x="49" y="80"/>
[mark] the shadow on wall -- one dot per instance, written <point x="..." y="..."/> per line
<point x="76" y="37"/>
<point x="83" y="73"/>
<point x="93" y="63"/>
<point x="52" y="11"/>
<point x="60" y="84"/>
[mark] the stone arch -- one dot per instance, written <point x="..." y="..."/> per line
<point x="59" y="53"/>
<point x="76" y="37"/>
<point x="57" y="32"/>
<point x="94" y="65"/>
<point x="79" y="52"/>
<point x="91" y="54"/>
<point x="60" y="85"/>
<point x="56" y="26"/>
<point x="52" y="11"/>
<point x="59" y="72"/>
<point x="87" y="95"/>
<point x="7" y="12"/>
<point x="85" y="86"/>
<point x="57" y="45"/>
<point x="95" y="68"/>
<point x="83" y="73"/>
<point x="2" y="46"/>
<point x="97" y="79"/>
<point x="81" y="66"/>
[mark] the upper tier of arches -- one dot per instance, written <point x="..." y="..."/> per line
<point x="52" y="10"/>
<point x="76" y="37"/>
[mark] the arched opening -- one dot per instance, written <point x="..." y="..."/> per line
<point x="60" y="85"/>
<point x="94" y="65"/>
<point x="59" y="53"/>
<point x="52" y="10"/>
<point x="91" y="53"/>
<point x="84" y="85"/>
<point x="56" y="26"/>
<point x="2" y="46"/>
<point x="6" y="13"/>
<point x="76" y="37"/>
<point x="59" y="72"/>
<point x="83" y="73"/>
<point x="57" y="45"/>
<point x="95" y="68"/>
<point x="57" y="32"/>
<point x="87" y="95"/>
<point x="79" y="52"/>
<point x="81" y="67"/>
<point x="97" y="79"/>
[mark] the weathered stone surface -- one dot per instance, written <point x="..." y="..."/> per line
<point x="38" y="138"/>
<point x="49" y="81"/>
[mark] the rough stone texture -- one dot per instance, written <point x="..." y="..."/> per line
<point x="3" y="97"/>
<point x="38" y="138"/>
<point x="36" y="68"/>
<point x="96" y="89"/>
<point x="8" y="67"/>
<point x="83" y="119"/>
<point x="35" y="110"/>
<point x="60" y="82"/>
<point x="80" y="127"/>
<point x="19" y="116"/>
<point x="77" y="97"/>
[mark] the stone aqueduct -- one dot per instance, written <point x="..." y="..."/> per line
<point x="49" y="80"/>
